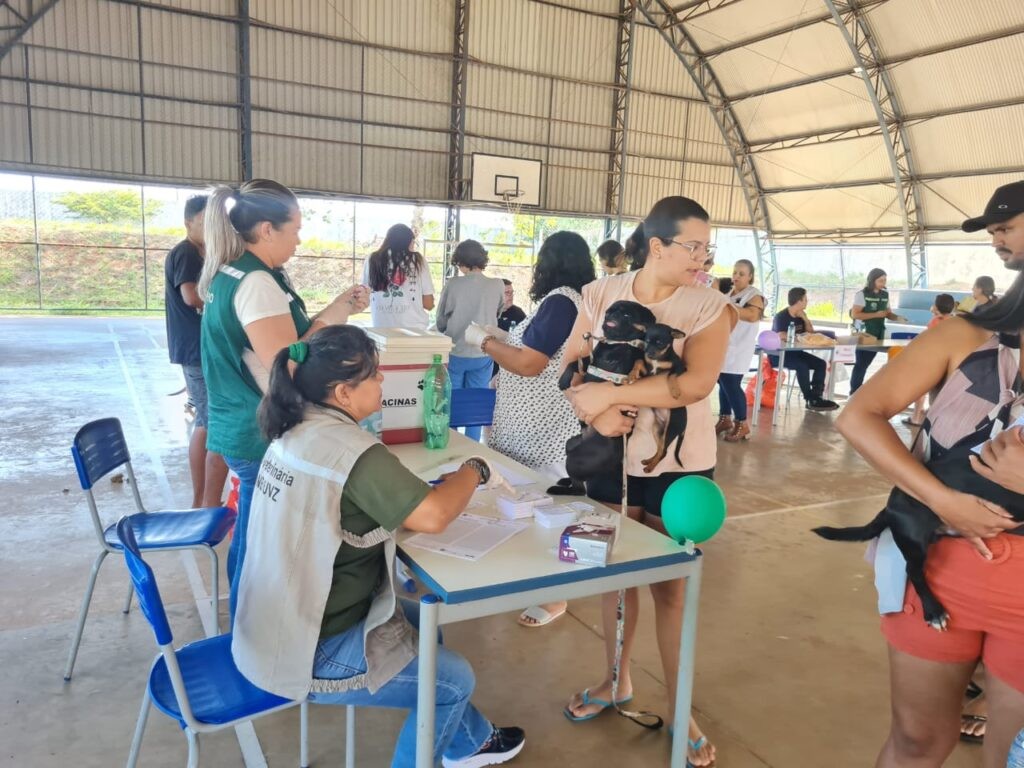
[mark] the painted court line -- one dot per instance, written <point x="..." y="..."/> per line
<point x="252" y="752"/>
<point x="805" y="507"/>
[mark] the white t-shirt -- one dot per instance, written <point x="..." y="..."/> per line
<point x="259" y="296"/>
<point x="401" y="305"/>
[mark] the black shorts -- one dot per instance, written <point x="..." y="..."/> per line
<point x="646" y="492"/>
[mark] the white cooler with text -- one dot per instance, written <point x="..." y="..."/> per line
<point x="405" y="356"/>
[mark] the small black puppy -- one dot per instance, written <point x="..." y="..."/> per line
<point x="660" y="356"/>
<point x="619" y="358"/>
<point x="915" y="527"/>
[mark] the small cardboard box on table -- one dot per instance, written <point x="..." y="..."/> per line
<point x="405" y="355"/>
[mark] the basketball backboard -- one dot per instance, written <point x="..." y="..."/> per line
<point x="498" y="179"/>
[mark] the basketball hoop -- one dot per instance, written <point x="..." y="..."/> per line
<point x="513" y="200"/>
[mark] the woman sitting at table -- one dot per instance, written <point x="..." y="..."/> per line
<point x="317" y="614"/>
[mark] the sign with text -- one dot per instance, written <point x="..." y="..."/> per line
<point x="845" y="353"/>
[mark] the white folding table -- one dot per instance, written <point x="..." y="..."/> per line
<point x="525" y="571"/>
<point x="878" y="346"/>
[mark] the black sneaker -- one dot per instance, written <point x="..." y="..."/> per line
<point x="820" y="404"/>
<point x="504" y="744"/>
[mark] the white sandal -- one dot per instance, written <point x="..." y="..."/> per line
<point x="541" y="616"/>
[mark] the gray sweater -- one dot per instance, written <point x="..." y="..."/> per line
<point x="466" y="299"/>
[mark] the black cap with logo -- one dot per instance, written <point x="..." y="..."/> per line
<point x="1007" y="202"/>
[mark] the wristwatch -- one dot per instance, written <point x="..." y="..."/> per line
<point x="480" y="467"/>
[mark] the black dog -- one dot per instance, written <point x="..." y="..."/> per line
<point x="660" y="356"/>
<point x="619" y="358"/>
<point x="915" y="527"/>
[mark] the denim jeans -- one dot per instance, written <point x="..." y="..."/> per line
<point x="860" y="369"/>
<point x="459" y="729"/>
<point x="732" y="400"/>
<point x="247" y="470"/>
<point x="1016" y="758"/>
<point x="467" y="373"/>
<point x="810" y="372"/>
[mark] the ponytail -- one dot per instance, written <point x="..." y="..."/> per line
<point x="338" y="354"/>
<point x="636" y="249"/>
<point x="231" y="217"/>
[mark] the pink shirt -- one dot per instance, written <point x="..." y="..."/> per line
<point x="690" y="310"/>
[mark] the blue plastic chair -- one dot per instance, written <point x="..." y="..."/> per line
<point x="472" y="407"/>
<point x="99" y="448"/>
<point x="198" y="684"/>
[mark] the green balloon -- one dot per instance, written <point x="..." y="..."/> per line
<point x="693" y="508"/>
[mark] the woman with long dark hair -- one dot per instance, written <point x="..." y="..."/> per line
<point x="401" y="289"/>
<point x="317" y="612"/>
<point x="251" y="312"/>
<point x="672" y="243"/>
<point x="976" y="360"/>
<point x="871" y="309"/>
<point x="530" y="361"/>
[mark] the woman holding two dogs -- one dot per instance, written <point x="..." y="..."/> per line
<point x="672" y="244"/>
<point x="978" y="574"/>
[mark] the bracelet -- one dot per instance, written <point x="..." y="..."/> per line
<point x="481" y="468"/>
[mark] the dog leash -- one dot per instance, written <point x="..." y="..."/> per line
<point x="648" y="720"/>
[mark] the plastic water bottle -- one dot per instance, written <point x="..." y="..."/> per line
<point x="437" y="405"/>
<point x="791" y="334"/>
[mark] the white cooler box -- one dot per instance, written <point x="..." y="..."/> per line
<point x="405" y="356"/>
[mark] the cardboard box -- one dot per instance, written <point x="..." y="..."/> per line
<point x="405" y="355"/>
<point x="587" y="544"/>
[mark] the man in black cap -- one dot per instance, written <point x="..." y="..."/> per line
<point x="1004" y="221"/>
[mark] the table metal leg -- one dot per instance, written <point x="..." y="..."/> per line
<point x="684" y="683"/>
<point x="778" y="386"/>
<point x="831" y="374"/>
<point x="427" y="685"/>
<point x="759" y="379"/>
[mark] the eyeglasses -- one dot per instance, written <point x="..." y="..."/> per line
<point x="695" y="248"/>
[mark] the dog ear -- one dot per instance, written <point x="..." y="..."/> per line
<point x="678" y="334"/>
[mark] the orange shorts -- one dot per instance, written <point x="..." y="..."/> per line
<point x="985" y="602"/>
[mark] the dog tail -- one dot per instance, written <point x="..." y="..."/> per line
<point x="855" y="533"/>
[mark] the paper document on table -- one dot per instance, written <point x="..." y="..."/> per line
<point x="512" y="475"/>
<point x="468" y="537"/>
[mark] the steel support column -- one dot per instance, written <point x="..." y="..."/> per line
<point x="673" y="30"/>
<point x="457" y="129"/>
<point x="617" y="156"/>
<point x="17" y="18"/>
<point x="852" y="24"/>
<point x="244" y="93"/>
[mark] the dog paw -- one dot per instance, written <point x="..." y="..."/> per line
<point x="938" y="622"/>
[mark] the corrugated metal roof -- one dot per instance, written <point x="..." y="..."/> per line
<point x="854" y="160"/>
<point x="939" y="24"/>
<point x="353" y="96"/>
<point x="788" y="58"/>
<point x="974" y="141"/>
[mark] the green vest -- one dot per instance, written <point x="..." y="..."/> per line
<point x="878" y="302"/>
<point x="233" y="394"/>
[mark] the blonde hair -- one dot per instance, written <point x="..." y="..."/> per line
<point x="231" y="217"/>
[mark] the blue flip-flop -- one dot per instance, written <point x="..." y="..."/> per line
<point x="694" y="745"/>
<point x="586" y="701"/>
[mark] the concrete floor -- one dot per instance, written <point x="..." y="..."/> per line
<point x="791" y="667"/>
